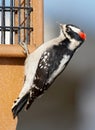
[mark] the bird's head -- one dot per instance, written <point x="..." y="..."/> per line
<point x="74" y="34"/>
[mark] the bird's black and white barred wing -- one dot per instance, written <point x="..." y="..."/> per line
<point x="51" y="63"/>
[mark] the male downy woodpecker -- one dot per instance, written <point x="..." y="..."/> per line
<point x="44" y="65"/>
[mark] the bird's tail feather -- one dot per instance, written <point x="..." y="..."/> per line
<point x="18" y="106"/>
<point x="30" y="101"/>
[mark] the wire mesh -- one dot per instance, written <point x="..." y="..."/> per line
<point x="10" y="28"/>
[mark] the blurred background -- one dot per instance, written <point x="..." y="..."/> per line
<point x="70" y="102"/>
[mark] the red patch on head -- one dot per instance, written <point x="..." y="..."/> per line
<point x="82" y="35"/>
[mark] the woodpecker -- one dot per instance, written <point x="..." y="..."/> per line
<point x="46" y="63"/>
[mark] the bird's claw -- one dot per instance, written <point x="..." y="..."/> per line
<point x="25" y="47"/>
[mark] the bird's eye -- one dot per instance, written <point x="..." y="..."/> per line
<point x="68" y="30"/>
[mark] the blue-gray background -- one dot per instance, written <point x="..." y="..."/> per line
<point x="70" y="102"/>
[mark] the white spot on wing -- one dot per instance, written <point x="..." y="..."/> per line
<point x="41" y="66"/>
<point x="45" y="53"/>
<point x="48" y="53"/>
<point x="45" y="67"/>
<point x="45" y="57"/>
<point x="44" y="60"/>
<point x="36" y="87"/>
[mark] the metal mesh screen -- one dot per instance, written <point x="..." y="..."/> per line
<point x="12" y="23"/>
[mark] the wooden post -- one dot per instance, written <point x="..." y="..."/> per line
<point x="12" y="67"/>
<point x="37" y="34"/>
<point x="11" y="78"/>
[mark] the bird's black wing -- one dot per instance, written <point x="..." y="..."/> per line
<point x="48" y="63"/>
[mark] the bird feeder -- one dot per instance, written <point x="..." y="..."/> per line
<point x="21" y="21"/>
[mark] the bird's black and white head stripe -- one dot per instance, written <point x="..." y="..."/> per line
<point x="74" y="34"/>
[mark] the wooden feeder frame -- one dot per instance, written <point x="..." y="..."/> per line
<point x="12" y="58"/>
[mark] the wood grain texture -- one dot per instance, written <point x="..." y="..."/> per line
<point x="11" y="80"/>
<point x="14" y="50"/>
<point x="37" y="21"/>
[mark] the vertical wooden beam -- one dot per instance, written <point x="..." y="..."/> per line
<point x="11" y="80"/>
<point x="37" y="22"/>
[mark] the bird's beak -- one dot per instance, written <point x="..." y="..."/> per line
<point x="61" y="25"/>
<point x="82" y="35"/>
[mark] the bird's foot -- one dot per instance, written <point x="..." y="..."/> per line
<point x="25" y="47"/>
